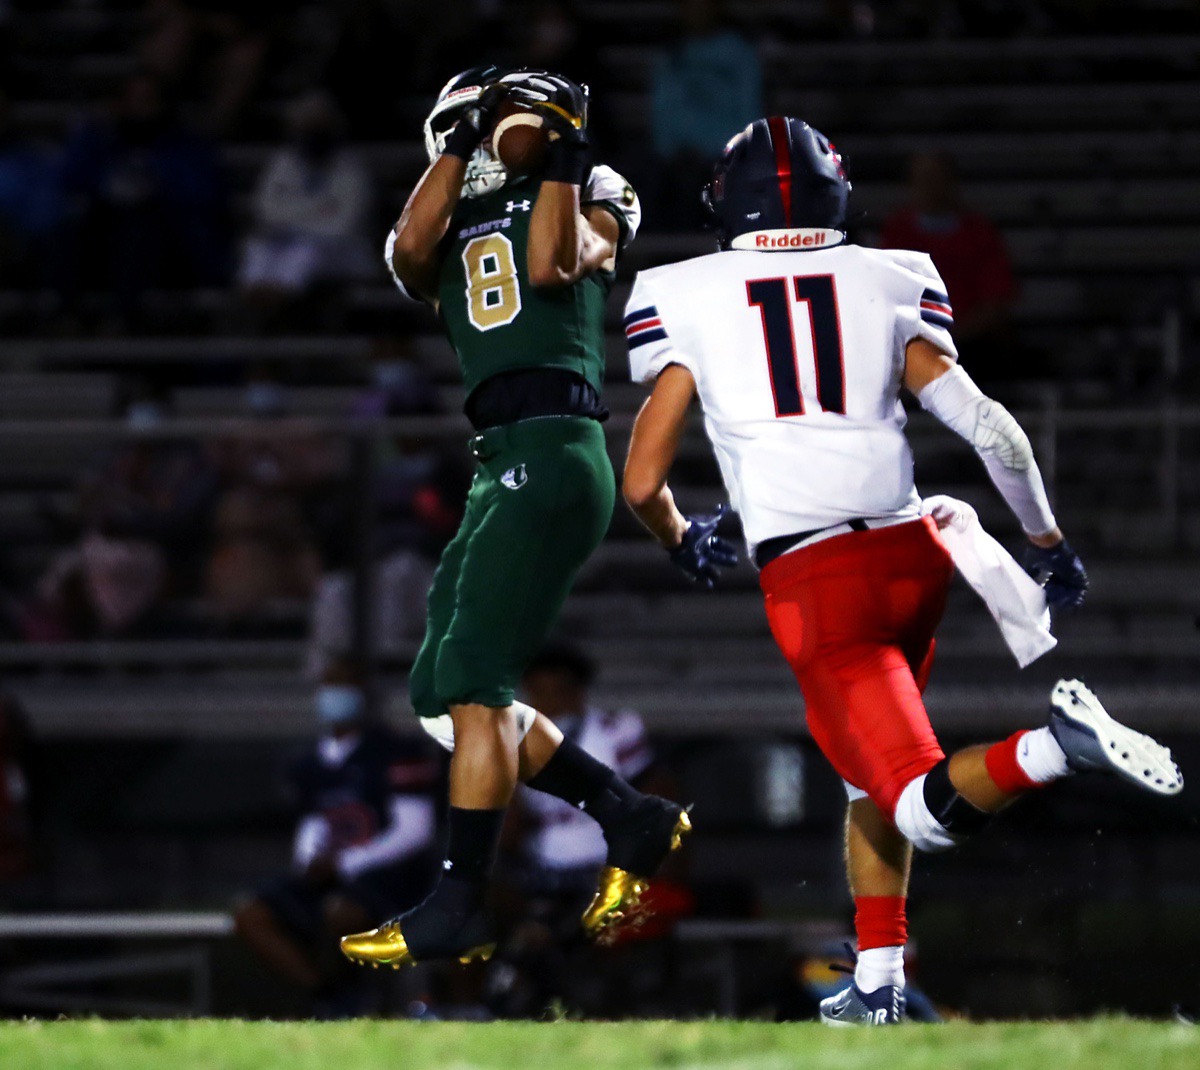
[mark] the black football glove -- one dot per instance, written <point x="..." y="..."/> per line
<point x="563" y="106"/>
<point x="1061" y="574"/>
<point x="476" y="122"/>
<point x="702" y="550"/>
<point x="562" y="103"/>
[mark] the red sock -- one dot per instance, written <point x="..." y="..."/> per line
<point x="880" y="921"/>
<point x="1003" y="768"/>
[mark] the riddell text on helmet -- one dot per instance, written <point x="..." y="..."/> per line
<point x="795" y="240"/>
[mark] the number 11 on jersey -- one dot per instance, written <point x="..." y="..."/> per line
<point x="774" y="298"/>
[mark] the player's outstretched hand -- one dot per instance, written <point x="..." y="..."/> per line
<point x="703" y="550"/>
<point x="562" y="103"/>
<point x="1060" y="572"/>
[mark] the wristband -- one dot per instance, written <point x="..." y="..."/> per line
<point x="567" y="160"/>
<point x="464" y="139"/>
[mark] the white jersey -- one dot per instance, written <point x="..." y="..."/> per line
<point x="798" y="357"/>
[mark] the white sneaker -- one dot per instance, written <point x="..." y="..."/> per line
<point x="1093" y="741"/>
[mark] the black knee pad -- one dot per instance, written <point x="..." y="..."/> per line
<point x="957" y="816"/>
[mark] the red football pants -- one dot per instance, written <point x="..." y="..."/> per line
<point x="855" y="617"/>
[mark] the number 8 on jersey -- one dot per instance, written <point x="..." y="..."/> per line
<point x="493" y="295"/>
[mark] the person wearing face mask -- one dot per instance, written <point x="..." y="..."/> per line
<point x="310" y="211"/>
<point x="363" y="844"/>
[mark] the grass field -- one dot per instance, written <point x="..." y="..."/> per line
<point x="1099" y="1044"/>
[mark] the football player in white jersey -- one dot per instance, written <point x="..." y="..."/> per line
<point x="798" y="344"/>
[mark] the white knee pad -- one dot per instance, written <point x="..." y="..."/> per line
<point x="916" y="821"/>
<point x="441" y="729"/>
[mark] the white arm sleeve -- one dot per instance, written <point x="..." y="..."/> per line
<point x="389" y="248"/>
<point x="411" y="829"/>
<point x="1000" y="442"/>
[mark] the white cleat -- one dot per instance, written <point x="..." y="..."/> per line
<point x="1093" y="741"/>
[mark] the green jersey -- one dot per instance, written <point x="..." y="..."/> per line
<point x="497" y="321"/>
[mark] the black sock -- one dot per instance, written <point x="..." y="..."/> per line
<point x="474" y="841"/>
<point x="576" y="777"/>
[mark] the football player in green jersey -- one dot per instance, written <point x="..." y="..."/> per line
<point x="518" y="269"/>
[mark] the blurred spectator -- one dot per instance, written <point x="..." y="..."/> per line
<point x="144" y="520"/>
<point x="399" y="385"/>
<point x="16" y="824"/>
<point x="151" y="199"/>
<point x="706" y="87"/>
<point x="31" y="207"/>
<point x="559" y="853"/>
<point x="419" y="493"/>
<point x="265" y="546"/>
<point x="363" y="849"/>
<point x="213" y="50"/>
<point x="312" y="212"/>
<point x="971" y="256"/>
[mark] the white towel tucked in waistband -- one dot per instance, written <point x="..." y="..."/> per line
<point x="1015" y="600"/>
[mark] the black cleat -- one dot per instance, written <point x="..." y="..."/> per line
<point x="637" y="847"/>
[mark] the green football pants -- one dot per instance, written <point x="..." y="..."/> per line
<point x="540" y="503"/>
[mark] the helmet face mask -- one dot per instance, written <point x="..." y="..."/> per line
<point x="778" y="173"/>
<point x="485" y="173"/>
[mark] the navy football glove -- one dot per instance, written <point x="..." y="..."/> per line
<point x="702" y="550"/>
<point x="1060" y="572"/>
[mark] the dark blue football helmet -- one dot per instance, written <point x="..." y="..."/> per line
<point x="778" y="173"/>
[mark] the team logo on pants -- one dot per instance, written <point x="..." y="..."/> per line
<point x="515" y="478"/>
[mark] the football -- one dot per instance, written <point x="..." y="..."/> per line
<point x="519" y="140"/>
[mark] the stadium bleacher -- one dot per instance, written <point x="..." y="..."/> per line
<point x="1086" y="152"/>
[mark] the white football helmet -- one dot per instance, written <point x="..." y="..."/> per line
<point x="485" y="173"/>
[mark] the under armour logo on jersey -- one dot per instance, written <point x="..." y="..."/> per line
<point x="515" y="478"/>
<point x="515" y="206"/>
<point x="447" y="865"/>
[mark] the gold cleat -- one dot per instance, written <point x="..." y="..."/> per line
<point x="682" y="827"/>
<point x="478" y="954"/>
<point x="616" y="899"/>
<point x="386" y="946"/>
<point x="619" y="892"/>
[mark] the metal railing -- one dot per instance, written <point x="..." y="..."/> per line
<point x="1051" y="426"/>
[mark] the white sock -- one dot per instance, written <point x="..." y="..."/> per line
<point x="1040" y="757"/>
<point x="879" y="966"/>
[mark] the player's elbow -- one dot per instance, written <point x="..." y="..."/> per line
<point x="412" y="255"/>
<point x="547" y="272"/>
<point x="999" y="436"/>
